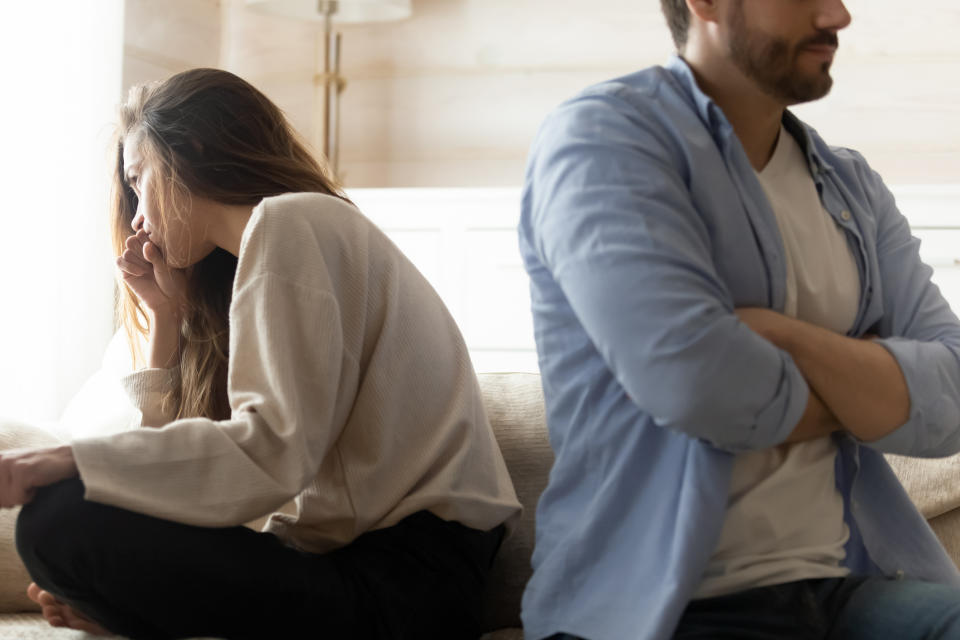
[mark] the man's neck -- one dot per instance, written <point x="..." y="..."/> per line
<point x="754" y="115"/>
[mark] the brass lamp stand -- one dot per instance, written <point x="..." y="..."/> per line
<point x="333" y="85"/>
<point x="327" y="12"/>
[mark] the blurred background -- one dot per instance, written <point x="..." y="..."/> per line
<point x="436" y="116"/>
<point x="452" y="95"/>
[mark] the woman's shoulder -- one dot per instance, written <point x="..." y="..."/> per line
<point x="291" y="231"/>
<point x="315" y="209"/>
<point x="302" y="218"/>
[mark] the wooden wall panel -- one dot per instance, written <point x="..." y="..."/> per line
<point x="453" y="96"/>
<point x="163" y="37"/>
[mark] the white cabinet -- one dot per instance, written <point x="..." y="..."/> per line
<point x="465" y="242"/>
<point x="934" y="215"/>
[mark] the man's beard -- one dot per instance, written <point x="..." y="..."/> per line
<point x="770" y="61"/>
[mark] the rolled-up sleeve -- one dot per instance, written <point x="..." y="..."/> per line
<point x="921" y="332"/>
<point x="611" y="218"/>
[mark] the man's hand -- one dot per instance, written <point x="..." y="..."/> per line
<point x="23" y="471"/>
<point x="858" y="380"/>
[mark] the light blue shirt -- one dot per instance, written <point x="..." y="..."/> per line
<point x="643" y="228"/>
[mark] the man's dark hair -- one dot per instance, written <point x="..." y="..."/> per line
<point x="678" y="19"/>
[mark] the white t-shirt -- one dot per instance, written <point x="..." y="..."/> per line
<point x="784" y="517"/>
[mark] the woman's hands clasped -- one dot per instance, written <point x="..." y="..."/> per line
<point x="144" y="269"/>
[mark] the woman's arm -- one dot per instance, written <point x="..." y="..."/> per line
<point x="161" y="291"/>
<point x="163" y="348"/>
<point x="23" y="471"/>
<point x="291" y="390"/>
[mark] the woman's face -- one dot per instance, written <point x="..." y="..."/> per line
<point x="180" y="236"/>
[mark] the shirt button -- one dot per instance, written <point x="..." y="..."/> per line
<point x="845" y="215"/>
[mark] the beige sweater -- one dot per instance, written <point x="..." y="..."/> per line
<point x="350" y="388"/>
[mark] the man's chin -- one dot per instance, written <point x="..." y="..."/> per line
<point x="820" y="89"/>
<point x="807" y="87"/>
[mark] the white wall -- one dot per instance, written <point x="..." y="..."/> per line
<point x="61" y="65"/>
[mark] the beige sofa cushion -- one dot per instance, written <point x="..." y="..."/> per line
<point x="13" y="576"/>
<point x="514" y="403"/>
<point x="947" y="528"/>
<point x="933" y="484"/>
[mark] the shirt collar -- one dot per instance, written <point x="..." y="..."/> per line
<point x="704" y="104"/>
<point x="719" y="125"/>
<point x="801" y="133"/>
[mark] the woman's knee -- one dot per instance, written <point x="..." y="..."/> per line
<point x="50" y="523"/>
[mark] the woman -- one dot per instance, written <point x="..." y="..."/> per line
<point x="292" y="351"/>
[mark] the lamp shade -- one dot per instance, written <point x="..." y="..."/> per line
<point x="344" y="11"/>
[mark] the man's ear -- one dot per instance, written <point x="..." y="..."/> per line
<point x="705" y="10"/>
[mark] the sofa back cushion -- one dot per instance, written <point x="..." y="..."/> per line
<point x="13" y="576"/>
<point x="514" y="403"/>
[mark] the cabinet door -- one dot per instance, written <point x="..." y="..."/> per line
<point x="940" y="248"/>
<point x="464" y="241"/>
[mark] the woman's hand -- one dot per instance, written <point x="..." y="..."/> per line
<point x="23" y="471"/>
<point x="142" y="267"/>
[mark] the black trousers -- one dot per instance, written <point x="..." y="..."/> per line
<point x="143" y="577"/>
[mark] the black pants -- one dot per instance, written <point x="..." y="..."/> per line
<point x="143" y="577"/>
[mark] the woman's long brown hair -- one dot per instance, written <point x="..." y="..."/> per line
<point x="205" y="132"/>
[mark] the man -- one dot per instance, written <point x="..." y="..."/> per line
<point x="733" y="324"/>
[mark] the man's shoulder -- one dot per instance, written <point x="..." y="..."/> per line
<point x="630" y="110"/>
<point x="832" y="154"/>
<point x="639" y="85"/>
<point x="635" y="92"/>
<point x="850" y="168"/>
<point x="848" y="163"/>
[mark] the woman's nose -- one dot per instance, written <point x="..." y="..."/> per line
<point x="137" y="223"/>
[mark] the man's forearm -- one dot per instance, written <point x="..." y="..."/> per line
<point x="817" y="421"/>
<point x="858" y="380"/>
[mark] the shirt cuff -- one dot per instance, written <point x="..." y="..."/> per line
<point x="145" y="389"/>
<point x="777" y="420"/>
<point x="139" y="385"/>
<point x="934" y="411"/>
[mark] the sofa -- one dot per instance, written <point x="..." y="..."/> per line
<point x="515" y="406"/>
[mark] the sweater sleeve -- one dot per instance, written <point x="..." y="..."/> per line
<point x="285" y="378"/>
<point x="145" y="389"/>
